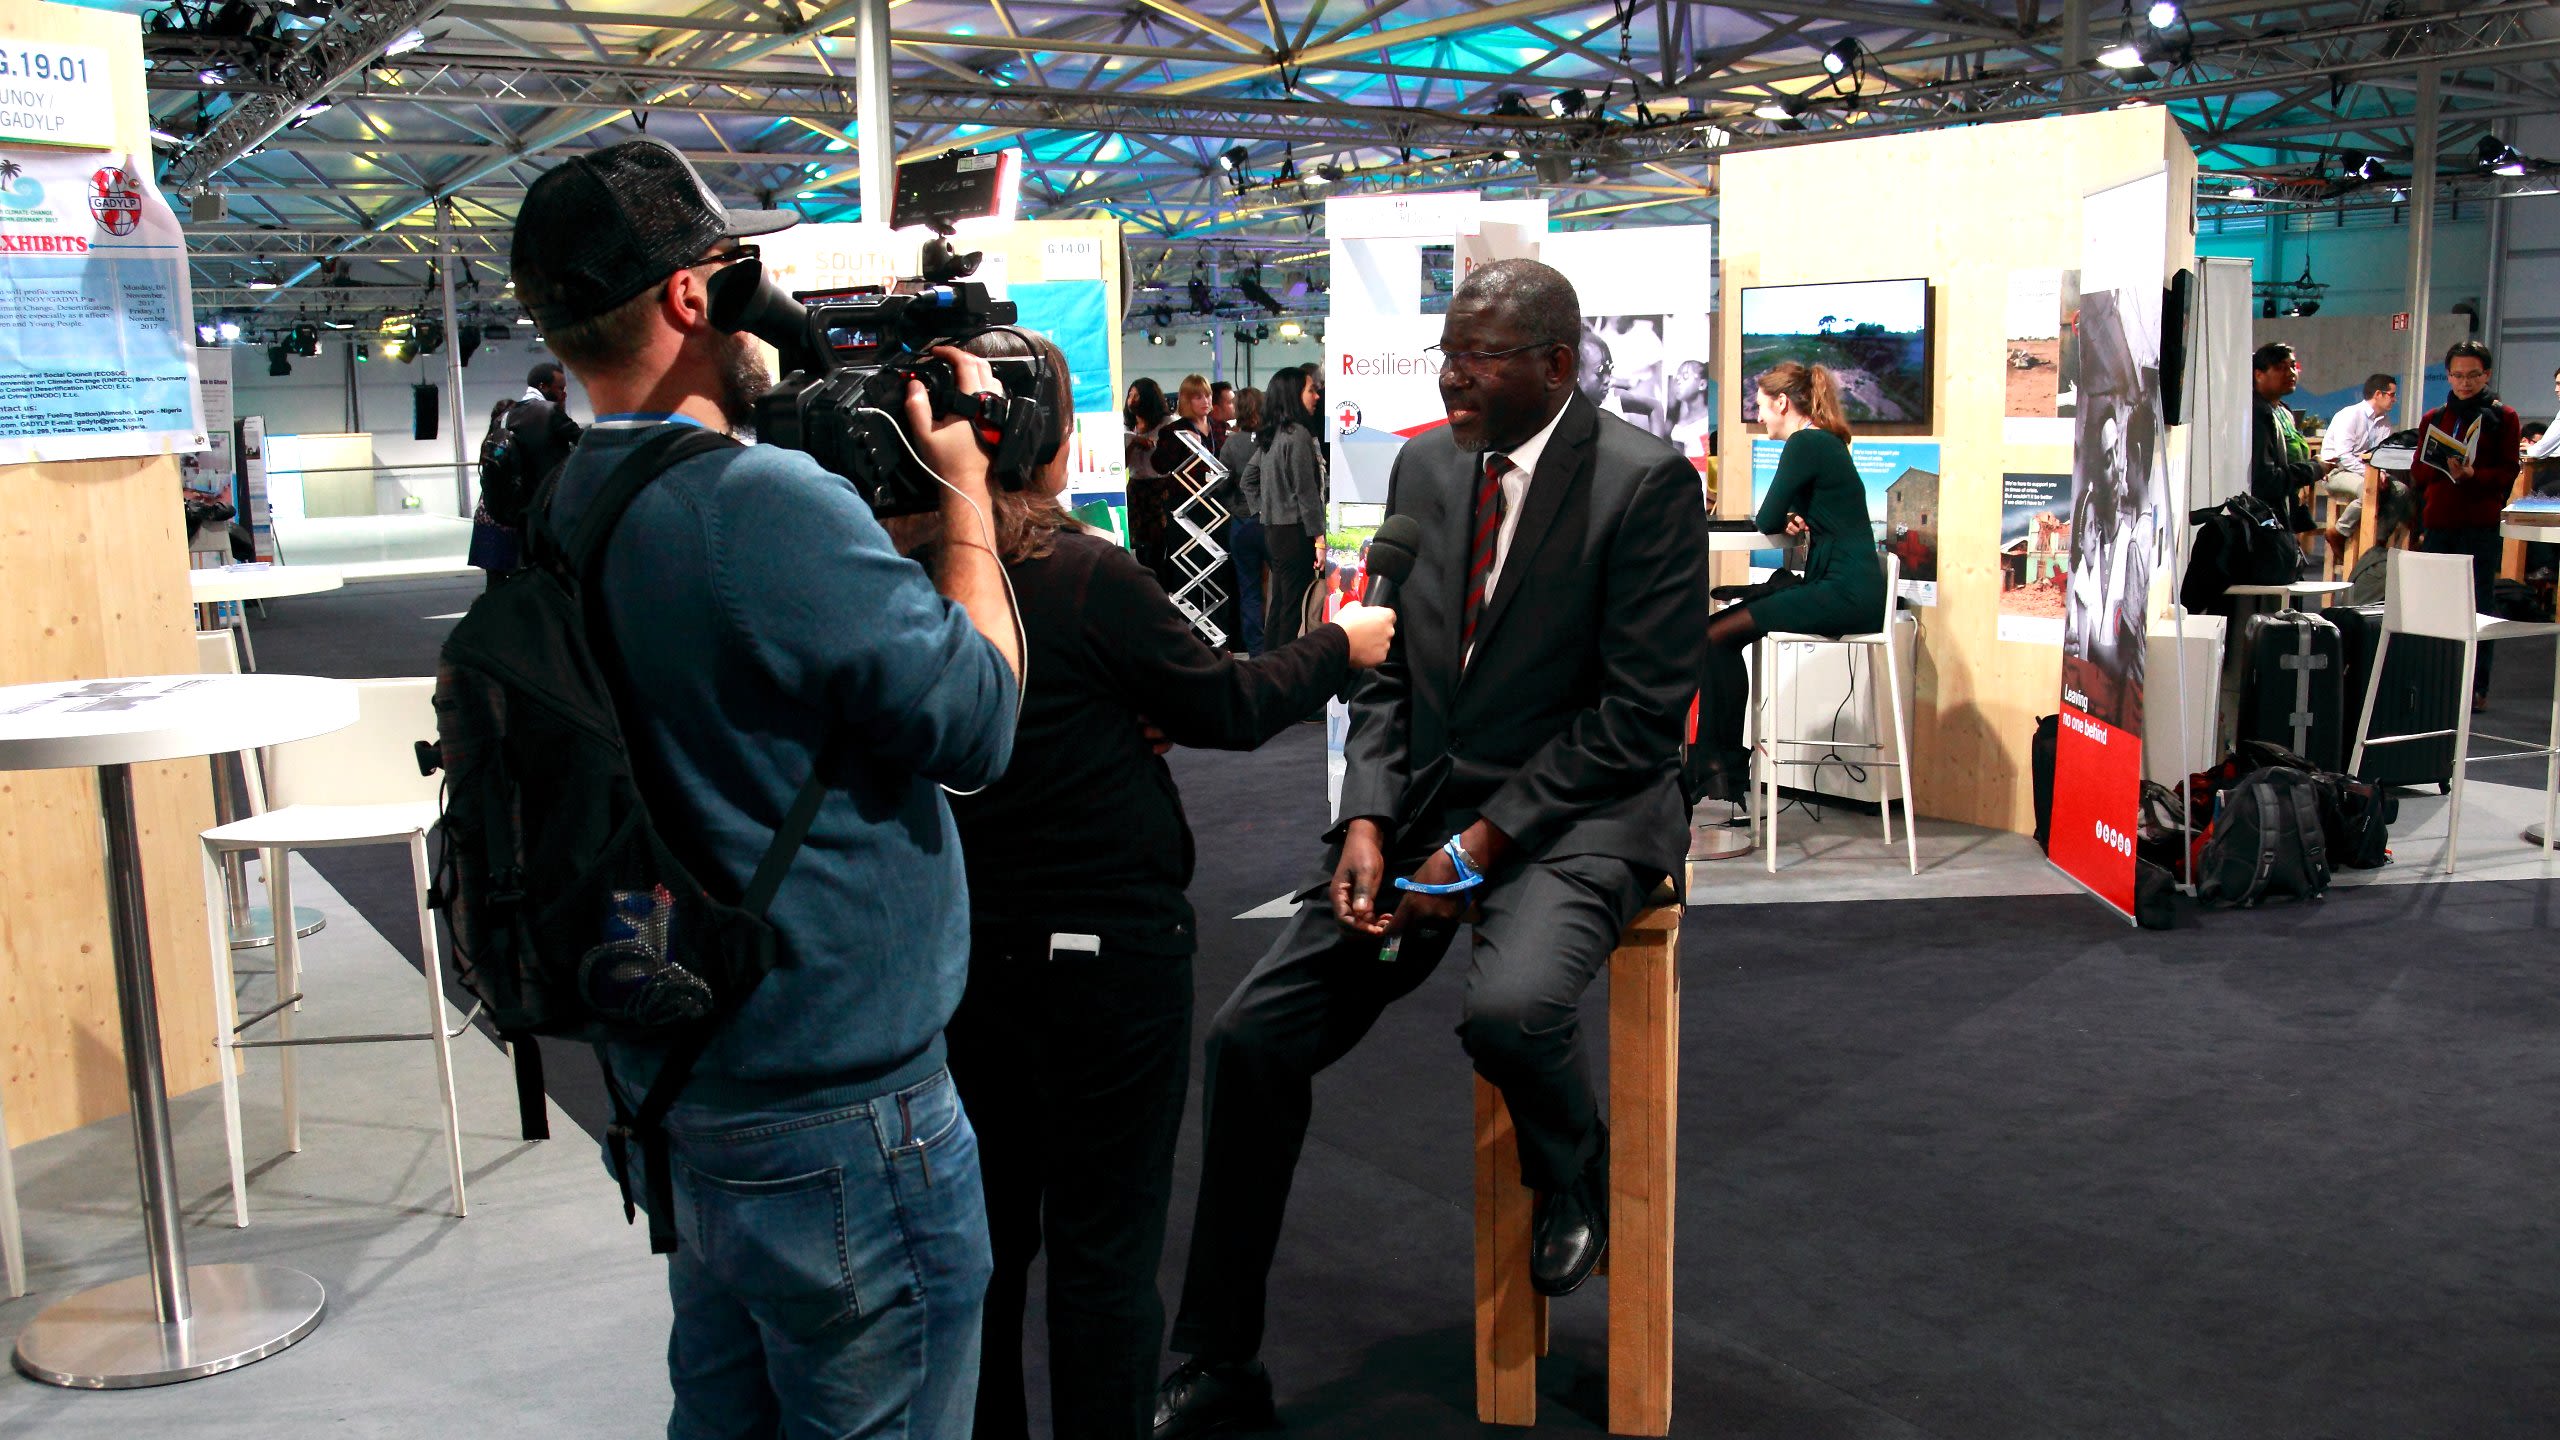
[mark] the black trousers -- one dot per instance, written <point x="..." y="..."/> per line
<point x="2487" y="551"/>
<point x="1072" y="1071"/>
<point x="1547" y="928"/>
<point x="1293" y="573"/>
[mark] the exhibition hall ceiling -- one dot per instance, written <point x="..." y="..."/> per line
<point x="353" y="143"/>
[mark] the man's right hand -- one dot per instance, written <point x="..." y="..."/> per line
<point x="1371" y="628"/>
<point x="1357" y="877"/>
<point x="950" y="445"/>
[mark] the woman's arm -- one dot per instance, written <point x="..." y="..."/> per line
<point x="1798" y="466"/>
<point x="1199" y="696"/>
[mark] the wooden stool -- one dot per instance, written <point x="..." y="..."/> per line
<point x="1644" y="1092"/>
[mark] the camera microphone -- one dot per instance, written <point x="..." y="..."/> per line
<point x="1391" y="556"/>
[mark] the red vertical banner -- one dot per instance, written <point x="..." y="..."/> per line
<point x="2097" y="803"/>
<point x="2118" y="537"/>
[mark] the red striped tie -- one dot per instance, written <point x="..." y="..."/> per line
<point x="1488" y="518"/>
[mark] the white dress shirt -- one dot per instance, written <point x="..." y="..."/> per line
<point x="1515" y="489"/>
<point x="2353" y="433"/>
<point x="2547" y="446"/>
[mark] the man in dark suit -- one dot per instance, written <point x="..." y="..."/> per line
<point x="1524" y="731"/>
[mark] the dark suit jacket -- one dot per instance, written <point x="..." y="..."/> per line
<point x="1565" y="732"/>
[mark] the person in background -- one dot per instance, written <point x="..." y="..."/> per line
<point x="1222" y="414"/>
<point x="1174" y="459"/>
<point x="833" y="1255"/>
<point x="1817" y="491"/>
<point x="1292" y="485"/>
<point x="1242" y="455"/>
<point x="2355" y="432"/>
<point x="544" y="435"/>
<point x="2460" y="501"/>
<point x="2545" y="446"/>
<point x="2281" y="466"/>
<point x="1150" y="491"/>
<point x="1072" y="1045"/>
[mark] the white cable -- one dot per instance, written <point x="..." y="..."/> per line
<point x="986" y="522"/>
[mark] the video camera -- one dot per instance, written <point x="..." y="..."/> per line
<point x="847" y="355"/>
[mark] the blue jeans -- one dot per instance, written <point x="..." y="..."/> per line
<point x="831" y="1270"/>
<point x="1245" y="548"/>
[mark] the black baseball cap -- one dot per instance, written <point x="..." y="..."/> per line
<point x="601" y="227"/>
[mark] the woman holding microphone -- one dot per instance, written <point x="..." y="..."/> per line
<point x="1072" y="1045"/>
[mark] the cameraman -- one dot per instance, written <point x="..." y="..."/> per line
<point x="833" y="1252"/>
<point x="1072" y="1048"/>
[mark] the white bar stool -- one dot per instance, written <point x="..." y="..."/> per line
<point x="1767" y="744"/>
<point x="2428" y="594"/>
<point x="357" y="786"/>
<point x="13" y="1243"/>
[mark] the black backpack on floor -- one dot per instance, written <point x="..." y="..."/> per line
<point x="570" y="916"/>
<point x="2268" y="839"/>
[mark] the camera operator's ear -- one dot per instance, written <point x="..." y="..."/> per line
<point x="685" y="299"/>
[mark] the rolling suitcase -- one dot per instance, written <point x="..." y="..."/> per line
<point x="2421" y="690"/>
<point x="2292" y="690"/>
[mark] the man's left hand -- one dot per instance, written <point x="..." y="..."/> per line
<point x="1415" y="910"/>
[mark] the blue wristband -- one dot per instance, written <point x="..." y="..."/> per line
<point x="1468" y="876"/>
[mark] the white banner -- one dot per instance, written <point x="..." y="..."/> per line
<point x="97" y="358"/>
<point x="1382" y="388"/>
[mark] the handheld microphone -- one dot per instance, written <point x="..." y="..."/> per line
<point x="1391" y="556"/>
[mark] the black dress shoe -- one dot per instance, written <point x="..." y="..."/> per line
<point x="1569" y="1230"/>
<point x="1214" y="1398"/>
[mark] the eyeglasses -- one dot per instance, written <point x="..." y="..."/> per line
<point x="725" y="257"/>
<point x="2466" y="374"/>
<point x="1474" y="360"/>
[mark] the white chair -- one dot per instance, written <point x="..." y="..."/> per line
<point x="13" y="1245"/>
<point x="357" y="786"/>
<point x="2426" y="594"/>
<point x="1767" y="744"/>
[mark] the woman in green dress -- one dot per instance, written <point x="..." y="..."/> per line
<point x="1817" y="491"/>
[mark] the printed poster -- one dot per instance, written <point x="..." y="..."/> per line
<point x="213" y="469"/>
<point x="2035" y="556"/>
<point x="1901" y="478"/>
<point x="2043" y="360"/>
<point x="97" y="352"/>
<point x="2120" y="485"/>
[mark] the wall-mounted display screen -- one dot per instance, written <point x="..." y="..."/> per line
<point x="1874" y="334"/>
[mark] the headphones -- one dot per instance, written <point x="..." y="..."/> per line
<point x="1048" y="391"/>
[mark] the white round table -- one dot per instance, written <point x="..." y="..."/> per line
<point x="214" y="586"/>
<point x="178" y="1322"/>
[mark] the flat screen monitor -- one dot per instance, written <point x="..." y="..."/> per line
<point x="1876" y="335"/>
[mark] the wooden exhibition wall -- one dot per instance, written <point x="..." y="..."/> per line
<point x="1962" y="207"/>
<point x="93" y="568"/>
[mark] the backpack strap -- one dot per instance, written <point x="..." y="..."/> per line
<point x="665" y="448"/>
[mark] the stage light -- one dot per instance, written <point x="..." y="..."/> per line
<point x="1568" y="103"/>
<point x="1233" y="159"/>
<point x="1253" y="291"/>
<point x="2497" y="157"/>
<point x="1163" y="316"/>
<point x="1330" y="174"/>
<point x="405" y="42"/>
<point x="164" y="137"/>
<point x="2367" y="168"/>
<point x="2164" y="13"/>
<point x="2122" y="55"/>
<point x="206" y="335"/>
<point x="227" y="331"/>
<point x="2243" y="191"/>
<point x="1291" y="330"/>
<point x="1842" y="57"/>
<point x="1511" y="104"/>
<point x="211" y="78"/>
<point x="1203" y="299"/>
<point x="277" y="364"/>
<point x="1774" y="109"/>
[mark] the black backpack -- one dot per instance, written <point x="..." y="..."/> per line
<point x="570" y="915"/>
<point x="2267" y="840"/>
<point x="508" y="483"/>
<point x="2243" y="542"/>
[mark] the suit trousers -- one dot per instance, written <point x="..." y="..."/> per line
<point x="1074" y="1071"/>
<point x="1545" y="929"/>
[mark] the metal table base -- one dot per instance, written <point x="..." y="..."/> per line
<point x="178" y="1322"/>
<point x="256" y="929"/>
<point x="112" y="1338"/>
